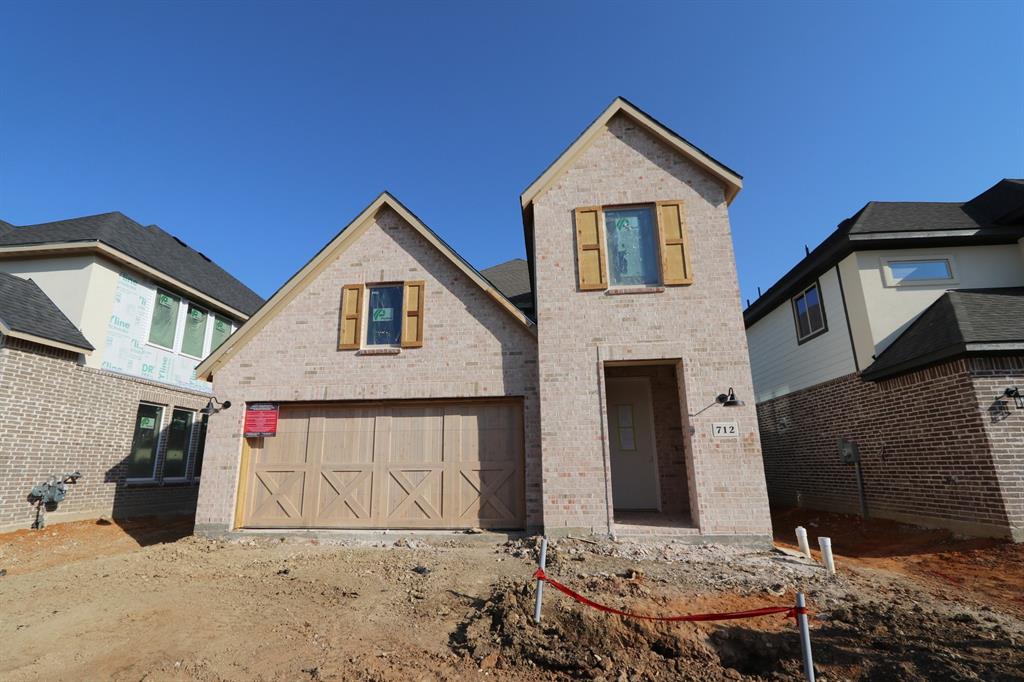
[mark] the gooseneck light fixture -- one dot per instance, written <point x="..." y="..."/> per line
<point x="215" y="406"/>
<point x="727" y="399"/>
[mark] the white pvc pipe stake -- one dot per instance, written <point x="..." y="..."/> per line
<point x="540" y="583"/>
<point x="801" y="539"/>
<point x="826" y="555"/>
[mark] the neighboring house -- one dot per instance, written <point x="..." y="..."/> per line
<point x="102" y="323"/>
<point x="416" y="393"/>
<point x="901" y="332"/>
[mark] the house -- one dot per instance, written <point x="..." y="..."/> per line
<point x="904" y="333"/>
<point x="102" y="323"/>
<point x="601" y="386"/>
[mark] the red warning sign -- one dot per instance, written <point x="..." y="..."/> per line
<point x="261" y="420"/>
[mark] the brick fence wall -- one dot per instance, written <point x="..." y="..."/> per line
<point x="57" y="415"/>
<point x="937" y="447"/>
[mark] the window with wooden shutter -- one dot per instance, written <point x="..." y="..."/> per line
<point x="351" y="316"/>
<point x="675" y="248"/>
<point x="590" y="249"/>
<point x="412" y="315"/>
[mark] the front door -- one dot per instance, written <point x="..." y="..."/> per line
<point x="633" y="451"/>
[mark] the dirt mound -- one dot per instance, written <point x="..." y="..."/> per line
<point x="582" y="643"/>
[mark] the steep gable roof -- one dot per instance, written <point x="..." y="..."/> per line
<point x="730" y="179"/>
<point x="961" y="321"/>
<point x="27" y="313"/>
<point x="348" y="235"/>
<point x="149" y="245"/>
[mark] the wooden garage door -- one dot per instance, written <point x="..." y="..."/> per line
<point x="423" y="465"/>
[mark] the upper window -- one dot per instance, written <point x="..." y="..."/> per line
<point x="809" y="313"/>
<point x="195" y="332"/>
<point x="632" y="247"/>
<point x="384" y="316"/>
<point x="381" y="315"/>
<point x="898" y="271"/>
<point x="165" y="319"/>
<point x="194" y="335"/>
<point x="221" y="332"/>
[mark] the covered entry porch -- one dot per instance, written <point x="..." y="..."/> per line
<point x="647" y="452"/>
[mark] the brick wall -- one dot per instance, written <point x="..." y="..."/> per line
<point x="57" y="415"/>
<point x="699" y="326"/>
<point x="472" y="347"/>
<point x="937" y="448"/>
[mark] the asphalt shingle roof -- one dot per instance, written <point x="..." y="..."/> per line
<point x="512" y="278"/>
<point x="151" y="245"/>
<point x="944" y="330"/>
<point x="25" y="308"/>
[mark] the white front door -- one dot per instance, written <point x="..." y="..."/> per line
<point x="633" y="451"/>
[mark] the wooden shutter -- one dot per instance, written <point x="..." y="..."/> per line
<point x="412" y="315"/>
<point x="675" y="247"/>
<point x="349" y="330"/>
<point x="590" y="250"/>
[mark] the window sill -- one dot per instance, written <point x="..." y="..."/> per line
<point x="634" y="290"/>
<point x="379" y="351"/>
<point x="165" y="483"/>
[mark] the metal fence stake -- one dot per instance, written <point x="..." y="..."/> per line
<point x="805" y="636"/>
<point x="540" y="583"/>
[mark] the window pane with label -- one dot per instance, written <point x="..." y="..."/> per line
<point x="632" y="250"/>
<point x="221" y="332"/>
<point x="176" y="456"/>
<point x="147" y="434"/>
<point x="384" y="316"/>
<point x="165" y="320"/>
<point x="195" y="332"/>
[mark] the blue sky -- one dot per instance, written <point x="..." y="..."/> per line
<point x="255" y="131"/>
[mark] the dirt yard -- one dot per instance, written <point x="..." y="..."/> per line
<point x="90" y="601"/>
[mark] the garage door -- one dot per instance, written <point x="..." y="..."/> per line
<point x="388" y="465"/>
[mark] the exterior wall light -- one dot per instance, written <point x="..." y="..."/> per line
<point x="728" y="399"/>
<point x="724" y="399"/>
<point x="215" y="406"/>
<point x="1018" y="398"/>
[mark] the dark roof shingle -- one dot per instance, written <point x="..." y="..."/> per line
<point x="958" y="319"/>
<point x="25" y="308"/>
<point x="512" y="279"/>
<point x="151" y="245"/>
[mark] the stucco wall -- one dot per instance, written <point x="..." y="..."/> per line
<point x="472" y="347"/>
<point x="890" y="309"/>
<point x="700" y="324"/>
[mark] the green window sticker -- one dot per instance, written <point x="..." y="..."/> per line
<point x="383" y="314"/>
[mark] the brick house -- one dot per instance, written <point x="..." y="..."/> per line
<point x="574" y="391"/>
<point x="102" y="323"/>
<point x="904" y="333"/>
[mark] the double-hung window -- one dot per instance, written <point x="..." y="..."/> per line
<point x="179" y="435"/>
<point x="635" y="246"/>
<point x="384" y="315"/>
<point x="809" y="313"/>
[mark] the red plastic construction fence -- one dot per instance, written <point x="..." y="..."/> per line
<point x="790" y="611"/>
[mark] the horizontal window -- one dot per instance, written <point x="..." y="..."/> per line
<point x="809" y="313"/>
<point x="917" y="271"/>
